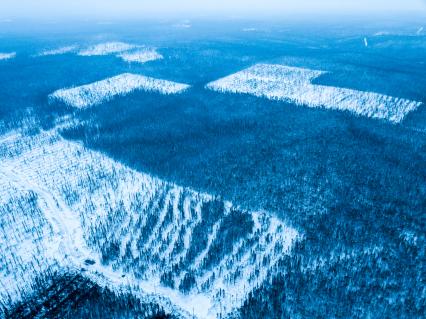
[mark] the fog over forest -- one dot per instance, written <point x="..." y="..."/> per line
<point x="10" y="9"/>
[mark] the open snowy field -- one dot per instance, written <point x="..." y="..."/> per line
<point x="59" y="51"/>
<point x="106" y="48"/>
<point x="102" y="91"/>
<point x="294" y="85"/>
<point x="127" y="52"/>
<point x="7" y="56"/>
<point x="201" y="252"/>
<point x="28" y="241"/>
<point x="141" y="56"/>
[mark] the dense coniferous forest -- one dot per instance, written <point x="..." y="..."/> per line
<point x="74" y="296"/>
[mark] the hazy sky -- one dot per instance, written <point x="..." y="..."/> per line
<point x="167" y="8"/>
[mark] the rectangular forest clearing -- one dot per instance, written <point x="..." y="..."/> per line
<point x="102" y="91"/>
<point x="294" y="85"/>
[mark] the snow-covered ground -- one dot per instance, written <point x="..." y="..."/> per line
<point x="104" y="90"/>
<point x="107" y="48"/>
<point x="7" y="56"/>
<point x="191" y="251"/>
<point x="27" y="239"/>
<point x="59" y="51"/>
<point x="294" y="85"/>
<point x="141" y="56"/>
<point x="125" y="51"/>
<point x="410" y="33"/>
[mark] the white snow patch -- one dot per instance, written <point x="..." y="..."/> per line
<point x="141" y="56"/>
<point x="381" y="33"/>
<point x="7" y="56"/>
<point x="59" y="51"/>
<point x="102" y="91"/>
<point x="405" y="33"/>
<point x="292" y="84"/>
<point x="107" y="48"/>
